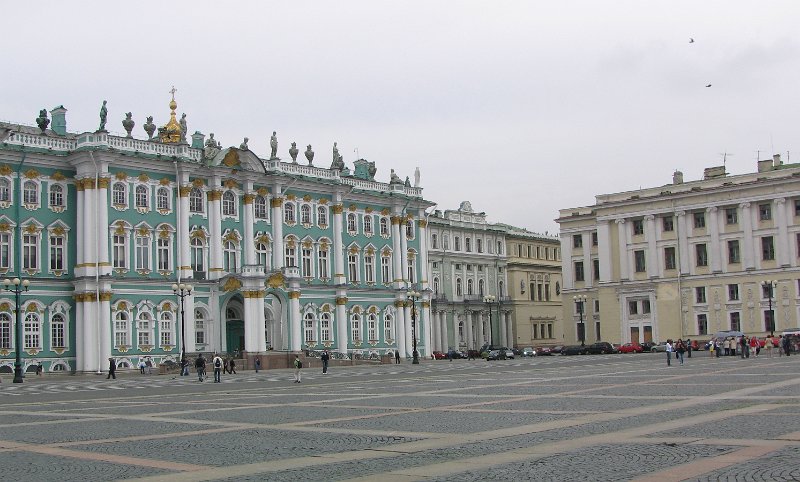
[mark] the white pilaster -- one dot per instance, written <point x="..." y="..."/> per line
<point x="652" y="251"/>
<point x="401" y="327"/>
<point x="683" y="241"/>
<point x="622" y="234"/>
<point x="713" y="250"/>
<point x="338" y="248"/>
<point x="782" y="246"/>
<point x="748" y="253"/>
<point x="276" y="204"/>
<point x="604" y="250"/>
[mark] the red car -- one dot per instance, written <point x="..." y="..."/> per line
<point x="437" y="355"/>
<point x="631" y="348"/>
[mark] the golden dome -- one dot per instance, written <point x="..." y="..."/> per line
<point x="170" y="133"/>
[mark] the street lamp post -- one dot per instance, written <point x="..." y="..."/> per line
<point x="413" y="296"/>
<point x="771" y="284"/>
<point x="490" y="300"/>
<point x="17" y="287"/>
<point x="580" y="301"/>
<point x="182" y="291"/>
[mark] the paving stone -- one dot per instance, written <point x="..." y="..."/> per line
<point x="26" y="466"/>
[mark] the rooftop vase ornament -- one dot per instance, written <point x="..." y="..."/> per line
<point x="42" y="121"/>
<point x="293" y="152"/>
<point x="128" y="124"/>
<point x="150" y="128"/>
<point x="103" y="116"/>
<point x="310" y="155"/>
<point x="273" y="144"/>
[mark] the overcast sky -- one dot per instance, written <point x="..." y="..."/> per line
<point x="521" y="107"/>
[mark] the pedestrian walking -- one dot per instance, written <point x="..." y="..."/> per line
<point x="200" y="366"/>
<point x="184" y="368"/>
<point x="232" y="367"/>
<point x="112" y="369"/>
<point x="148" y="363"/>
<point x="726" y="345"/>
<point x="225" y="365"/>
<point x="669" y="352"/>
<point x="217" y="362"/>
<point x="717" y="346"/>
<point x="744" y="347"/>
<point x="779" y="345"/>
<point x="297" y="366"/>
<point x="258" y="363"/>
<point x="754" y="346"/>
<point x="679" y="350"/>
<point x="141" y="366"/>
<point x="39" y="369"/>
<point x="325" y="357"/>
<point x="769" y="345"/>
<point x="397" y="357"/>
<point x="787" y="345"/>
<point x="689" y="347"/>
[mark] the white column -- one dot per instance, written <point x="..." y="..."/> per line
<point x="427" y="328"/>
<point x="254" y="341"/>
<point x="423" y="254"/>
<point x="502" y="324"/>
<point x="341" y="322"/>
<point x="445" y="334"/>
<point x="104" y="306"/>
<point x="102" y="228"/>
<point x="604" y="250"/>
<point x="249" y="242"/>
<point x="509" y="330"/>
<point x="437" y="330"/>
<point x="90" y="229"/>
<point x="748" y="253"/>
<point x="588" y="269"/>
<point x="409" y="337"/>
<point x="295" y="321"/>
<point x="215" y="234"/>
<point x="567" y="269"/>
<point x="401" y="327"/>
<point x="188" y="321"/>
<point x="713" y="249"/>
<point x="397" y="253"/>
<point x="81" y="202"/>
<point x="468" y="326"/>
<point x="622" y="234"/>
<point x="683" y="241"/>
<point x="403" y="252"/>
<point x="652" y="251"/>
<point x="276" y="204"/>
<point x="82" y="341"/>
<point x="782" y="245"/>
<point x="481" y="337"/>
<point x="184" y="246"/>
<point x="338" y="247"/>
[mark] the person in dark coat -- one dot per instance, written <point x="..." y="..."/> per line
<point x="397" y="357"/>
<point x="112" y="369"/>
<point x="258" y="364"/>
<point x="325" y="357"/>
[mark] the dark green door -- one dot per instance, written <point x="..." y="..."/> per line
<point x="235" y="336"/>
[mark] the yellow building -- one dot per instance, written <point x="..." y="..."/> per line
<point x="534" y="282"/>
<point x="687" y="259"/>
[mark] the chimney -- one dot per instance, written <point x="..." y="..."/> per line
<point x="677" y="177"/>
<point x="776" y="160"/>
<point x="59" y="116"/>
<point x="198" y="140"/>
<point x="713" y="172"/>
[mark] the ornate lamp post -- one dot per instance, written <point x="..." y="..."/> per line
<point x="17" y="287"/>
<point x="182" y="291"/>
<point x="580" y="302"/>
<point x="413" y="296"/>
<point x="769" y="287"/>
<point x="490" y="300"/>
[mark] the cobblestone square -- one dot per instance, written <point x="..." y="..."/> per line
<point x="613" y="417"/>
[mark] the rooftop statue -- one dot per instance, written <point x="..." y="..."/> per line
<point x="103" y="115"/>
<point x="273" y="144"/>
<point x="394" y="178"/>
<point x="184" y="130"/>
<point x="243" y="145"/>
<point x="408" y="182"/>
<point x="293" y="152"/>
<point x="128" y="124"/>
<point x="310" y="155"/>
<point x="42" y="121"/>
<point x="212" y="147"/>
<point x="338" y="162"/>
<point x="149" y="127"/>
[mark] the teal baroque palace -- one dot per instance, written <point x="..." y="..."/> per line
<point x="280" y="255"/>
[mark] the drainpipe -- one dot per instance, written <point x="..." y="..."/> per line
<point x="97" y="270"/>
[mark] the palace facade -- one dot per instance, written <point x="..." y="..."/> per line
<point x="279" y="254"/>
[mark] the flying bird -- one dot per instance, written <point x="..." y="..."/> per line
<point x="709" y="85"/>
<point x="691" y="40"/>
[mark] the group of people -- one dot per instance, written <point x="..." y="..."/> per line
<point x="745" y="346"/>
<point x="679" y="347"/>
<point x="217" y="363"/>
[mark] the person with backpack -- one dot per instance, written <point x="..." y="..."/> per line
<point x="297" y="366"/>
<point x="200" y="366"/>
<point x="217" y="369"/>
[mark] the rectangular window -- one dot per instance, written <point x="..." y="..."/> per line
<point x="352" y="267"/>
<point x="731" y="216"/>
<point x="733" y="251"/>
<point x="764" y="212"/>
<point x="639" y="261"/>
<point x="142" y="253"/>
<point x="594" y="241"/>
<point x="633" y="307"/>
<point x="702" y="324"/>
<point x="597" y="306"/>
<point x="736" y="323"/>
<point x="700" y="294"/>
<point x="769" y="320"/>
<point x="645" y="307"/>
<point x="31" y="334"/>
<point x="733" y="292"/>
<point x="668" y="223"/>
<point x="595" y="269"/>
<point x="797" y="207"/>
<point x="701" y="255"/>
<point x="369" y="268"/>
<point x="120" y="252"/>
<point x="669" y="258"/>
<point x="577" y="241"/>
<point x="306" y="262"/>
<point x="412" y="272"/>
<point x="5" y="331"/>
<point x="30" y="252"/>
<point x="163" y="257"/>
<point x="638" y="227"/>
<point x="56" y="253"/>
<point x="322" y="258"/>
<point x="5" y="251"/>
<point x="767" y="248"/>
<point x="386" y="272"/>
<point x="699" y="220"/>
<point x="166" y="332"/>
<point x="579" y="271"/>
<point x="57" y="332"/>
<point x="798" y="245"/>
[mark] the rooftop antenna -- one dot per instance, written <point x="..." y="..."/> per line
<point x="725" y="155"/>
<point x="772" y="147"/>
<point x="356" y="151"/>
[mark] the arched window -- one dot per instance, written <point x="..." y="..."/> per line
<point x="308" y="326"/>
<point x="229" y="203"/>
<point x="32" y="331"/>
<point x="229" y="254"/>
<point x="410" y="229"/>
<point x="445" y="242"/>
<point x="461" y="332"/>
<point x="469" y="286"/>
<point x="144" y="329"/>
<point x="121" y="329"/>
<point x="322" y="262"/>
<point x="388" y="324"/>
<point x="481" y="287"/>
<point x="162" y="199"/>
<point x="457" y="243"/>
<point x="260" y="207"/>
<point x="385" y="227"/>
<point x="141" y="196"/>
<point x="468" y="245"/>
<point x="5" y="331"/>
<point x="57" y="331"/>
<point x="290" y="255"/>
<point x="325" y="326"/>
<point x="436" y="285"/>
<point x="500" y="289"/>
<point x="434" y="241"/>
<point x="307" y="261"/>
<point x="5" y="190"/>
<point x="367" y="224"/>
<point x="198" y="255"/>
<point x="196" y="200"/>
<point x="119" y="194"/>
<point x="355" y="327"/>
<point x="30" y="193"/>
<point x="288" y="213"/>
<point x="351" y="223"/>
<point x="372" y="327"/>
<point x="165" y="329"/>
<point x="262" y="255"/>
<point x="56" y="196"/>
<point x="322" y="216"/>
<point x="305" y="214"/>
<point x="459" y="288"/>
<point x="199" y="327"/>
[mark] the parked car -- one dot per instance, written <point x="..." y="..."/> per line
<point x="509" y="352"/>
<point x="528" y="351"/>
<point x="437" y="355"/>
<point x="573" y="350"/>
<point x="453" y="354"/>
<point x="660" y="348"/>
<point x="631" y="348"/>
<point x="600" y="348"/>
<point x="495" y="355"/>
<point x="556" y="349"/>
<point x="646" y="346"/>
<point x="544" y="351"/>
